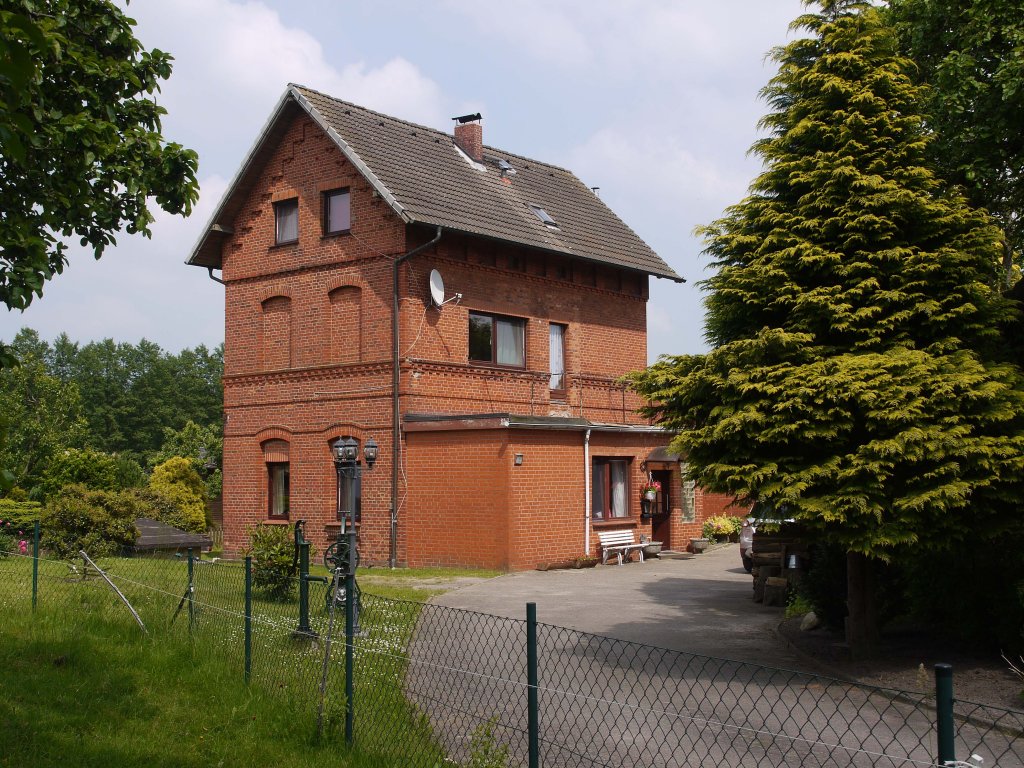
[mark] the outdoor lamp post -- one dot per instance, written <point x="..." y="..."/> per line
<point x="343" y="555"/>
<point x="345" y="452"/>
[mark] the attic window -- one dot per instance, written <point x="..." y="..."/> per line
<point x="543" y="215"/>
<point x="286" y="221"/>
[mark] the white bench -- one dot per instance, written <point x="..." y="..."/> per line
<point x="619" y="543"/>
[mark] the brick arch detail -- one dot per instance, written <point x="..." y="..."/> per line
<point x="273" y="291"/>
<point x="344" y="281"/>
<point x="342" y="429"/>
<point x="274" y="433"/>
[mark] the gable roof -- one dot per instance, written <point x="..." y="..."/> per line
<point x="427" y="180"/>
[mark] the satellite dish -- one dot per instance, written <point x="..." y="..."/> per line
<point x="436" y="288"/>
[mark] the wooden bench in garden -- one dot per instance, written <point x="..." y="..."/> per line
<point x="619" y="543"/>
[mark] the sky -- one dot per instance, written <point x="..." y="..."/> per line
<point x="654" y="101"/>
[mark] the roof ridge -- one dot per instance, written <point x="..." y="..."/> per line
<point x="410" y="123"/>
<point x="436" y="131"/>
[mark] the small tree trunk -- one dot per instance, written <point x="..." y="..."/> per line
<point x="862" y="615"/>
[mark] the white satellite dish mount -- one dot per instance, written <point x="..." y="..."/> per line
<point x="437" y="291"/>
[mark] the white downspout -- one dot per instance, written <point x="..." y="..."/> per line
<point x="586" y="491"/>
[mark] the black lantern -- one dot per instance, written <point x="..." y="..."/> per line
<point x="370" y="452"/>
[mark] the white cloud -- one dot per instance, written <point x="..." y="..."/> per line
<point x="234" y="59"/>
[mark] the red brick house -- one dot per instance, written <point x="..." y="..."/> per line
<point x="506" y="438"/>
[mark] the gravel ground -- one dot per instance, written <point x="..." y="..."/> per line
<point x="906" y="660"/>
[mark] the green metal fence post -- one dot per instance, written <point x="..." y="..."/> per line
<point x="191" y="590"/>
<point x="350" y="635"/>
<point x="304" y="628"/>
<point x="35" y="564"/>
<point x="944" y="713"/>
<point x="248" y="619"/>
<point x="531" y="681"/>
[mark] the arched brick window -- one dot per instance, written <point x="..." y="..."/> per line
<point x="276" y="338"/>
<point x="276" y="455"/>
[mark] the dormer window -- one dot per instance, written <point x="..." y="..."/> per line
<point x="543" y="215"/>
<point x="286" y="221"/>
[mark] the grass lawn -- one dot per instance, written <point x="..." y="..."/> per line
<point x="83" y="686"/>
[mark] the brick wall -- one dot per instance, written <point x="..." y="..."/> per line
<point x="307" y="360"/>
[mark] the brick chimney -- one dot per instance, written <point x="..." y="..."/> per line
<point x="469" y="137"/>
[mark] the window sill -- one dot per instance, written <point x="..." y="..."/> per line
<point x="609" y="522"/>
<point x="496" y="366"/>
<point x="277" y="521"/>
<point x="285" y="244"/>
<point x="332" y="235"/>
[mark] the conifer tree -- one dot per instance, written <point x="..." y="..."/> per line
<point x="857" y="375"/>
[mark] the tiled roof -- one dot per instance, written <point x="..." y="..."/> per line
<point x="427" y="180"/>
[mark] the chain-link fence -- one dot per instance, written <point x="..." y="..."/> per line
<point x="433" y="684"/>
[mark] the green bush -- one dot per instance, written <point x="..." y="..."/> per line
<point x="129" y="472"/>
<point x="166" y="506"/>
<point x="272" y="549"/>
<point x="100" y="522"/>
<point x="21" y="514"/>
<point x="721" y="527"/>
<point x="17" y="521"/>
<point x="85" y="466"/>
<point x="181" y="488"/>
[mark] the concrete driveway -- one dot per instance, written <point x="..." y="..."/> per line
<point x="701" y="605"/>
<point x="648" y="697"/>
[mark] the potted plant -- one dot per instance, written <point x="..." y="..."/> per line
<point x="651" y="490"/>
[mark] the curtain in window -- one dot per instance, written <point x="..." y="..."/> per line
<point x="597" y="483"/>
<point x="556" y="351"/>
<point x="618" y="486"/>
<point x="510" y="342"/>
<point x="278" y="489"/>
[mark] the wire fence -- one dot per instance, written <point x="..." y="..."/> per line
<point x="435" y="685"/>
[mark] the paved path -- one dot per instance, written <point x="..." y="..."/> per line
<point x="701" y="605"/>
<point x="648" y="697"/>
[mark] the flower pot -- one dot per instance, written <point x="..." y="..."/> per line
<point x="699" y="545"/>
<point x="650" y="495"/>
<point x="652" y="549"/>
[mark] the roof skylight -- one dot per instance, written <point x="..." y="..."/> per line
<point x="543" y="215"/>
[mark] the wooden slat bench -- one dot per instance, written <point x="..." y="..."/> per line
<point x="619" y="543"/>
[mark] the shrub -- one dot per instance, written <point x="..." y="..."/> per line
<point x="85" y="466"/>
<point x="179" y="492"/>
<point x="17" y="520"/>
<point x="129" y="472"/>
<point x="721" y="527"/>
<point x="100" y="522"/>
<point x="21" y="514"/>
<point x="272" y="549"/>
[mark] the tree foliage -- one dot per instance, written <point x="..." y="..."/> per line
<point x="39" y="415"/>
<point x="119" y="400"/>
<point x="81" y="147"/>
<point x="858" y="375"/>
<point x="971" y="56"/>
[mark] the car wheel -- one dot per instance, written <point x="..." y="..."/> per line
<point x="748" y="564"/>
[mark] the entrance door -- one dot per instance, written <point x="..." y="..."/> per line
<point x="661" y="522"/>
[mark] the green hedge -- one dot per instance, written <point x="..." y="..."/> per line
<point x="20" y="514"/>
